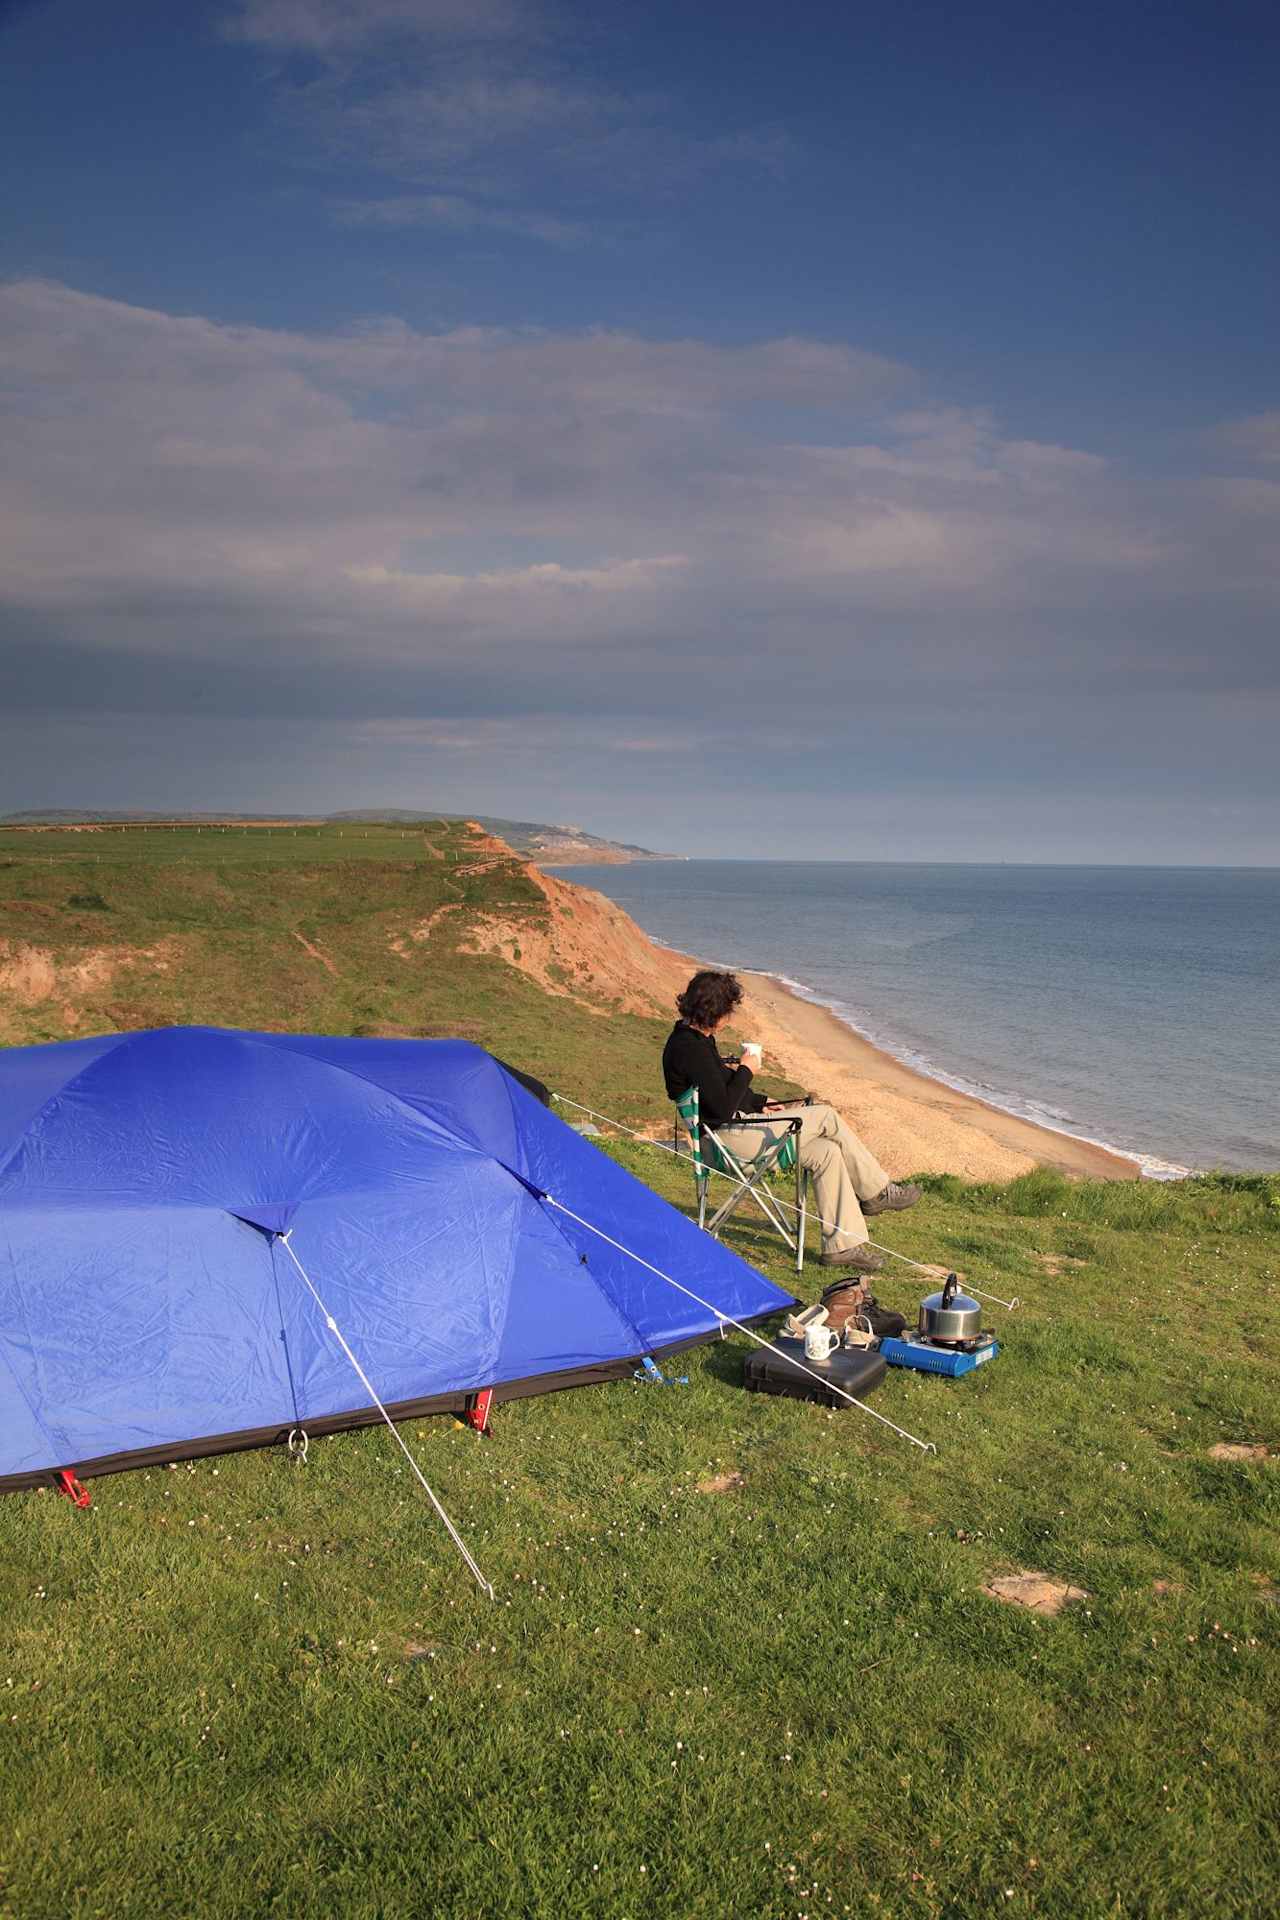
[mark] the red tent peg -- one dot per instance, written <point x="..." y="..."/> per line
<point x="478" y="1409"/>
<point x="67" y="1483"/>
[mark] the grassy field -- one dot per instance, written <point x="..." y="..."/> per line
<point x="293" y="934"/>
<point x="231" y="845"/>
<point x="241" y="1687"/>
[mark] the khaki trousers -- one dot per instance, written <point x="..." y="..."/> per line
<point x="844" y="1171"/>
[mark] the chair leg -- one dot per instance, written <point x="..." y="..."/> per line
<point x="750" y="1177"/>
<point x="750" y="1189"/>
<point x="769" y="1207"/>
<point x="801" y="1190"/>
<point x="726" y="1209"/>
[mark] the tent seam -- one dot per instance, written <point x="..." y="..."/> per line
<point x="264" y="1041"/>
<point x="547" y="1214"/>
<point x="108" y="1053"/>
<point x="288" y="1362"/>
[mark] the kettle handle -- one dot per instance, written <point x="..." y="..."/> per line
<point x="951" y="1287"/>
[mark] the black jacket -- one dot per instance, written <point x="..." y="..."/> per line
<point x="691" y="1059"/>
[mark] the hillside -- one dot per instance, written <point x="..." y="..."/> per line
<point x="746" y="1656"/>
<point x="555" y="846"/>
<point x="421" y="933"/>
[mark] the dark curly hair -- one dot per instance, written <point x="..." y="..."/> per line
<point x="708" y="998"/>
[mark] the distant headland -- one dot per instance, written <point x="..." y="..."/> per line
<point x="555" y="845"/>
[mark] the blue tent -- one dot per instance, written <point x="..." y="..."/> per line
<point x="150" y="1308"/>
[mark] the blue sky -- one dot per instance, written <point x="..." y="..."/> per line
<point x="848" y="431"/>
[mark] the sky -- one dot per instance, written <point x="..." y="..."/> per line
<point x="836" y="431"/>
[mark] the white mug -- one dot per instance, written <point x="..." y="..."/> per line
<point x="819" y="1342"/>
<point x="752" y="1053"/>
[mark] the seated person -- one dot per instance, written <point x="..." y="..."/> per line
<point x="848" y="1181"/>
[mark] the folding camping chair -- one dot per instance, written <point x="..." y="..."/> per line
<point x="711" y="1155"/>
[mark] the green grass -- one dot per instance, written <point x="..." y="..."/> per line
<point x="241" y="1688"/>
<point x="218" y="846"/>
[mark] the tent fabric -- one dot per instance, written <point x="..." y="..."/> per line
<point x="149" y="1311"/>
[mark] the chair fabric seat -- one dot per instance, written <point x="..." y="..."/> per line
<point x="706" y="1147"/>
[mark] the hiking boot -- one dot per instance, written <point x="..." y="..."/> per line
<point x="863" y="1259"/>
<point x="845" y="1301"/>
<point x="850" y="1303"/>
<point x="893" y="1199"/>
<point x="883" y="1321"/>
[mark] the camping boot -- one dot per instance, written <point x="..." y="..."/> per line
<point x="852" y="1302"/>
<point x="845" y="1302"/>
<point x="863" y="1258"/>
<point x="883" y="1321"/>
<point x="892" y="1199"/>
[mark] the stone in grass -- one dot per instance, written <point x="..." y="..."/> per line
<point x="1034" y="1590"/>
<point x="722" y="1483"/>
<point x="1240" y="1450"/>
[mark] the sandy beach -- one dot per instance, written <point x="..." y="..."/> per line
<point x="913" y="1123"/>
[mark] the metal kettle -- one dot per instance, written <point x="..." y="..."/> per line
<point x="950" y="1315"/>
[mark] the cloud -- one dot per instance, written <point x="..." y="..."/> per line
<point x="464" y="526"/>
<point x="452" y="213"/>
<point x="547" y="577"/>
<point x="329" y="26"/>
<point x="1257" y="437"/>
<point x="482" y="122"/>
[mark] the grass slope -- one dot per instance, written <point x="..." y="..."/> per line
<point x="289" y="931"/>
<point x="240" y="1687"/>
<point x="526" y="836"/>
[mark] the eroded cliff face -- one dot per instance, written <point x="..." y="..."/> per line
<point x="584" y="948"/>
<point x="35" y="976"/>
<point x="311" y="938"/>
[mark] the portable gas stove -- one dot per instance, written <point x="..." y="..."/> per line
<point x="928" y="1354"/>
<point x="961" y="1343"/>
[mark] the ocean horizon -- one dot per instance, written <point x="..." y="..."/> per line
<point x="1136" y="1007"/>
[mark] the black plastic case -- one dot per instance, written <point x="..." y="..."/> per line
<point x="857" y="1370"/>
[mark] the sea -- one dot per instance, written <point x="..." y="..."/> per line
<point x="1138" y="1007"/>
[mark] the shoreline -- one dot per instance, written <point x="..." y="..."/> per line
<point x="1150" y="1166"/>
<point x="884" y="1094"/>
<point x="914" y="1121"/>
